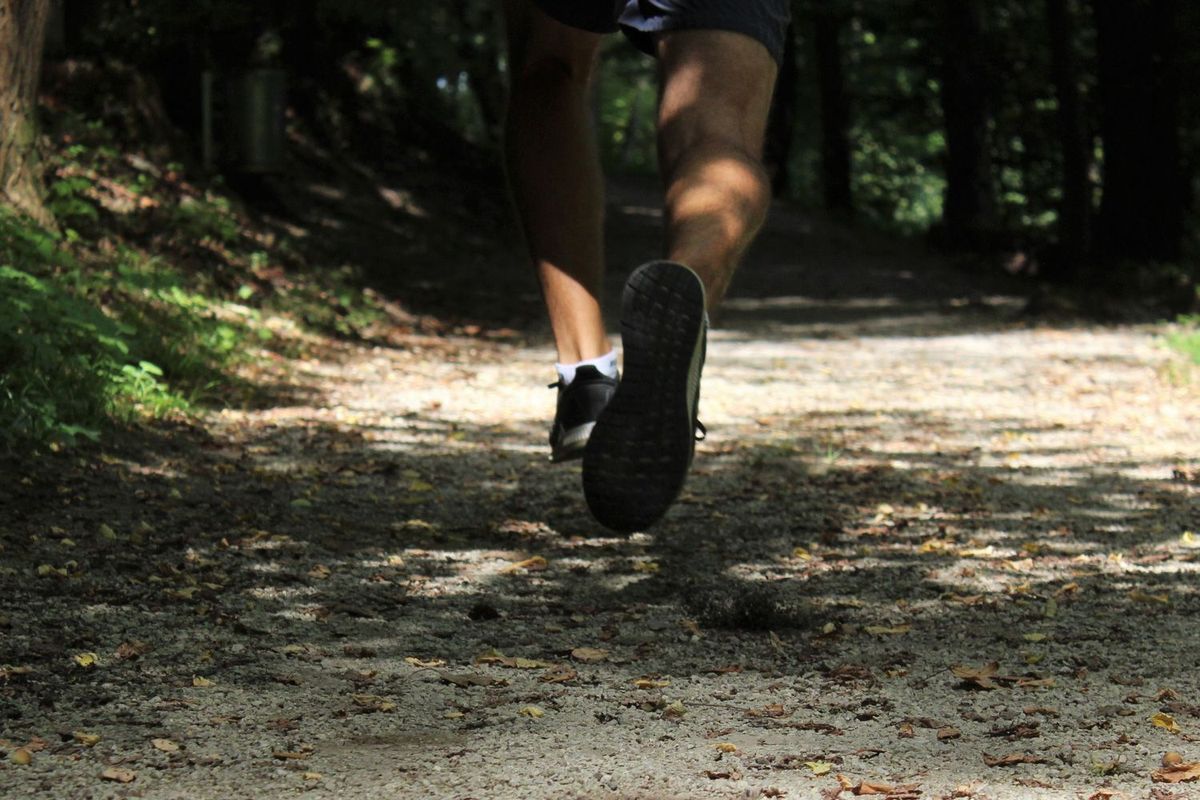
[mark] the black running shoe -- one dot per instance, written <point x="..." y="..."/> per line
<point x="638" y="456"/>
<point x="579" y="404"/>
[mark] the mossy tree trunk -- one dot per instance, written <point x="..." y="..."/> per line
<point x="22" y="29"/>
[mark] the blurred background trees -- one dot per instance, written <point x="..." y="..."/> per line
<point x="1056" y="135"/>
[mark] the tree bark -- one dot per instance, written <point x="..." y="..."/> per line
<point x="781" y="124"/>
<point x="1144" y="201"/>
<point x="1075" y="210"/>
<point x="22" y="28"/>
<point x="834" y="107"/>
<point x="969" y="210"/>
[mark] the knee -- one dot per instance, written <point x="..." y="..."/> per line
<point x="688" y="149"/>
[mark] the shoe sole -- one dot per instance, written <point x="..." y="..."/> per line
<point x="572" y="443"/>
<point x="637" y="458"/>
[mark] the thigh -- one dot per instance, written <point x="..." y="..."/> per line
<point x="535" y="35"/>
<point x="716" y="85"/>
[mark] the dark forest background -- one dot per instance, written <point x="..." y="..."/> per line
<point x="1055" y="139"/>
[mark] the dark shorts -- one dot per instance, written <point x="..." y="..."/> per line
<point x="641" y="20"/>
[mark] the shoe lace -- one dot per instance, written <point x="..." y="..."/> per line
<point x="701" y="432"/>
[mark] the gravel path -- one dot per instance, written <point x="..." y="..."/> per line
<point x="389" y="591"/>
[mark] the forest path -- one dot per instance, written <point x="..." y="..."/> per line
<point x="388" y="591"/>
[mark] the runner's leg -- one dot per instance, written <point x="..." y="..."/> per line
<point x="716" y="93"/>
<point x="554" y="172"/>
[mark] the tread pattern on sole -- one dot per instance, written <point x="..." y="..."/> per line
<point x="638" y="456"/>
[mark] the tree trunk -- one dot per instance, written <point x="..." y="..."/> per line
<point x="1075" y="211"/>
<point x="834" y="106"/>
<point x="22" y="27"/>
<point x="1145" y="191"/>
<point x="969" y="211"/>
<point x="781" y="125"/>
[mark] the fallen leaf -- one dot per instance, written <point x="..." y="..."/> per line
<point x="1165" y="721"/>
<point x="726" y="747"/>
<point x="674" y="710"/>
<point x="132" y="649"/>
<point x="118" y="775"/>
<point x="650" y="683"/>
<point x="1045" y="711"/>
<point x="467" y="679"/>
<point x="732" y="775"/>
<point x="21" y="756"/>
<point x="559" y="673"/>
<point x="201" y="682"/>
<point x="535" y="564"/>
<point x="1177" y="773"/>
<point x="312" y="776"/>
<point x="86" y="660"/>
<point x="1035" y="637"/>
<point x="1171" y="759"/>
<point x="906" y="731"/>
<point x="947" y="733"/>
<point x="86" y="739"/>
<point x="413" y="661"/>
<point x="880" y="630"/>
<point x="1034" y="683"/>
<point x="320" y="572"/>
<point x="532" y="712"/>
<point x="373" y="702"/>
<point x="819" y="767"/>
<point x="165" y="745"/>
<point x="495" y="657"/>
<point x="769" y="710"/>
<point x="980" y="677"/>
<point x="1012" y="758"/>
<point x="7" y="672"/>
<point x="801" y="554"/>
<point x="1138" y="596"/>
<point x="866" y="787"/>
<point x="649" y="567"/>
<point x="589" y="655"/>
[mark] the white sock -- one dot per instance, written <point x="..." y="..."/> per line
<point x="606" y="364"/>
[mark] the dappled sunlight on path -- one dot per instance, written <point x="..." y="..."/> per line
<point x="393" y="592"/>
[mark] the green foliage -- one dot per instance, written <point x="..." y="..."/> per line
<point x="104" y="324"/>
<point x="68" y="366"/>
<point x="1185" y="338"/>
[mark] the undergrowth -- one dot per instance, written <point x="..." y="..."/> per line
<point x="1185" y="338"/>
<point x="156" y="298"/>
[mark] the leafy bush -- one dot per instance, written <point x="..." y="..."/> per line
<point x="68" y="366"/>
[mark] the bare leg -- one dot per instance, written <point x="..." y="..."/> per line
<point x="716" y="93"/>
<point x="555" y="174"/>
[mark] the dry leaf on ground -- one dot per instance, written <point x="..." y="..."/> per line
<point x="466" y="679"/>
<point x="559" y="673"/>
<point x="1166" y="722"/>
<point x="118" y="775"/>
<point x="1174" y="770"/>
<point x="980" y="677"/>
<point x="535" y="564"/>
<point x="589" y="655"/>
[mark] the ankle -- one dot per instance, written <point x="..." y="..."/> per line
<point x="606" y="364"/>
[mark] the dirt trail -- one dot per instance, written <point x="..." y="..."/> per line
<point x="386" y="592"/>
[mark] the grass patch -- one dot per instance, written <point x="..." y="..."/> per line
<point x="1186" y="338"/>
